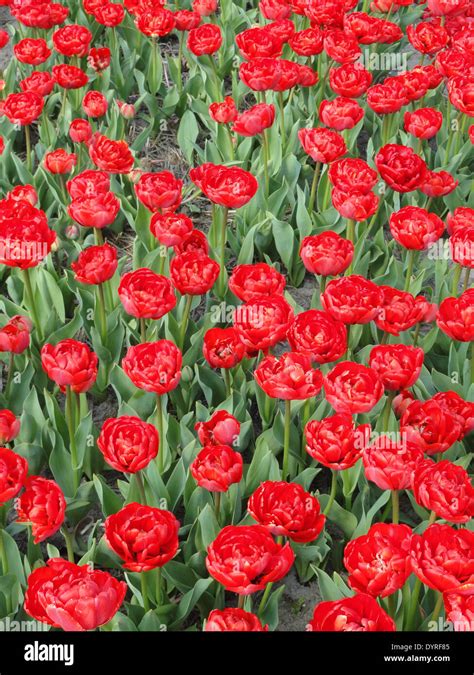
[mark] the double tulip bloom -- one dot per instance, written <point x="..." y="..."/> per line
<point x="73" y="597"/>
<point x="244" y="559"/>
<point x="287" y="510"/>
<point x="144" y="537"/>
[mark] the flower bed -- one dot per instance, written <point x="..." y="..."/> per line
<point x="236" y="314"/>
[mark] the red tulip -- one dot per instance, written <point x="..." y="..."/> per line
<point x="308" y="42"/>
<point x="80" y="131"/>
<point x="72" y="40"/>
<point x="352" y="388"/>
<point x="205" y="39"/>
<point x="350" y="79"/>
<point x="445" y="488"/>
<point x="400" y="167"/>
<point x="23" y="108"/>
<point x="155" y="22"/>
<point x="233" y="619"/>
<point x="390" y="464"/>
<point x="340" y="113"/>
<point x="98" y="211"/>
<point x="13" y="470"/>
<point x="43" y="505"/>
<point x="127" y="443"/>
<point x="15" y="335"/>
<point x="94" y="104"/>
<point x="258" y="42"/>
<point x="335" y="441"/>
<point x="73" y="597"/>
<point x="224" y="113"/>
<point x="221" y="429"/>
<point x="400" y="311"/>
<point x="443" y="558"/>
<point x="193" y="273"/>
<point x="217" y="467"/>
<point x="323" y="145"/>
<point x="244" y="559"/>
<point x="39" y="82"/>
<point x="352" y="299"/>
<point x="254" y="120"/>
<point x="427" y="37"/>
<point x="231" y="187"/>
<point x="154" y="366"/>
<point x="350" y="174"/>
<point x="455" y="316"/>
<point x="69" y="77"/>
<point x="287" y="510"/>
<point x="318" y="335"/>
<point x="9" y="426"/>
<point x="109" y="155"/>
<point x="359" y="613"/>
<point x="159" y="191"/>
<point x="144" y="537"/>
<point x="95" y="264"/>
<point x="70" y="364"/>
<point x="249" y="282"/>
<point x="430" y="425"/>
<point x="32" y="51"/>
<point x="327" y="253"/>
<point x="289" y="377"/>
<point x="423" y="123"/>
<point x="263" y="322"/>
<point x="223" y="348"/>
<point x="415" y="228"/>
<point x="59" y="161"/>
<point x="145" y="294"/>
<point x="379" y="561"/>
<point x="398" y="366"/>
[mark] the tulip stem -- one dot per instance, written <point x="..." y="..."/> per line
<point x="395" y="507"/>
<point x="391" y="605"/>
<point x="472" y="362"/>
<point x="141" y="487"/>
<point x="72" y="440"/>
<point x="286" y="440"/>
<point x="69" y="545"/>
<point x="142" y="329"/>
<point x="217" y="505"/>
<point x="184" y="321"/>
<point x="4" y="559"/>
<point x="241" y="602"/>
<point x="102" y="316"/>
<point x="226" y="375"/>
<point x="11" y="366"/>
<point x="180" y="62"/>
<point x="3" y="554"/>
<point x="266" y="160"/>
<point x="332" y="494"/>
<point x="413" y="604"/>
<point x="351" y="236"/>
<point x="314" y="186"/>
<point x="222" y="243"/>
<point x="467" y="274"/>
<point x="264" y="600"/>
<point x="411" y="262"/>
<point x="387" y="408"/>
<point x="29" y="156"/>
<point x="98" y="236"/>
<point x="159" y="425"/>
<point x="144" y="589"/>
<point x="159" y="587"/>
<point x="31" y="303"/>
<point x="455" y="280"/>
<point x="282" y="119"/>
<point x="438" y="607"/>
